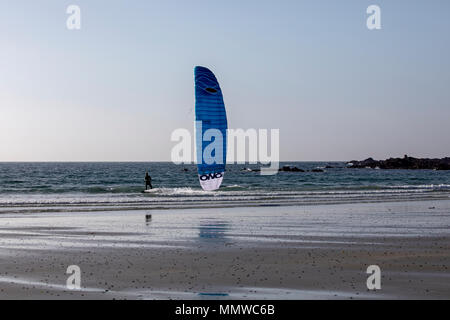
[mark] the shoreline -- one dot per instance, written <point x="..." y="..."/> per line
<point x="295" y="252"/>
<point x="28" y="208"/>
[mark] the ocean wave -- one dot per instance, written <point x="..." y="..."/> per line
<point x="118" y="189"/>
<point x="189" y="196"/>
<point x="234" y="187"/>
<point x="178" y="191"/>
<point x="268" y="187"/>
<point x="422" y="186"/>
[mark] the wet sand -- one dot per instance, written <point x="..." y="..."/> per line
<point x="304" y="252"/>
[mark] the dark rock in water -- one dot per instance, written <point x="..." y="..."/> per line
<point x="329" y="167"/>
<point x="443" y="166"/>
<point x="291" y="169"/>
<point x="317" y="170"/>
<point x="402" y="163"/>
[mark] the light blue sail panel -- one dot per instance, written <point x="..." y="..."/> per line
<point x="210" y="114"/>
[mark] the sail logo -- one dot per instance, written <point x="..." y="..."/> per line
<point x="210" y="176"/>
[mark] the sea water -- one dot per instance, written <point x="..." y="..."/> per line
<point x="121" y="185"/>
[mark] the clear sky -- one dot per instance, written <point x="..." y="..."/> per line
<point x="117" y="88"/>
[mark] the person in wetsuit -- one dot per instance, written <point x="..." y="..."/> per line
<point x="148" y="181"/>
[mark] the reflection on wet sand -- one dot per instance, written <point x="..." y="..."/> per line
<point x="213" y="230"/>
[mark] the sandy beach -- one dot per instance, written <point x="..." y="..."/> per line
<point x="272" y="252"/>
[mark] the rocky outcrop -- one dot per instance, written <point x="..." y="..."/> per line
<point x="402" y="163"/>
<point x="295" y="169"/>
<point x="290" y="169"/>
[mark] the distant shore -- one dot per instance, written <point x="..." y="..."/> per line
<point x="406" y="162"/>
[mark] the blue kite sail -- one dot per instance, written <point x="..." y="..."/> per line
<point x="211" y="129"/>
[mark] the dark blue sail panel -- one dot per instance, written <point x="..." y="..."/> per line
<point x="210" y="114"/>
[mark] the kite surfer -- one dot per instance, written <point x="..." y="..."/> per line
<point x="148" y="181"/>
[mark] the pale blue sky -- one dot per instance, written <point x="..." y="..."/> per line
<point x="117" y="88"/>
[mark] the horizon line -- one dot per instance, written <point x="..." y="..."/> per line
<point x="142" y="161"/>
